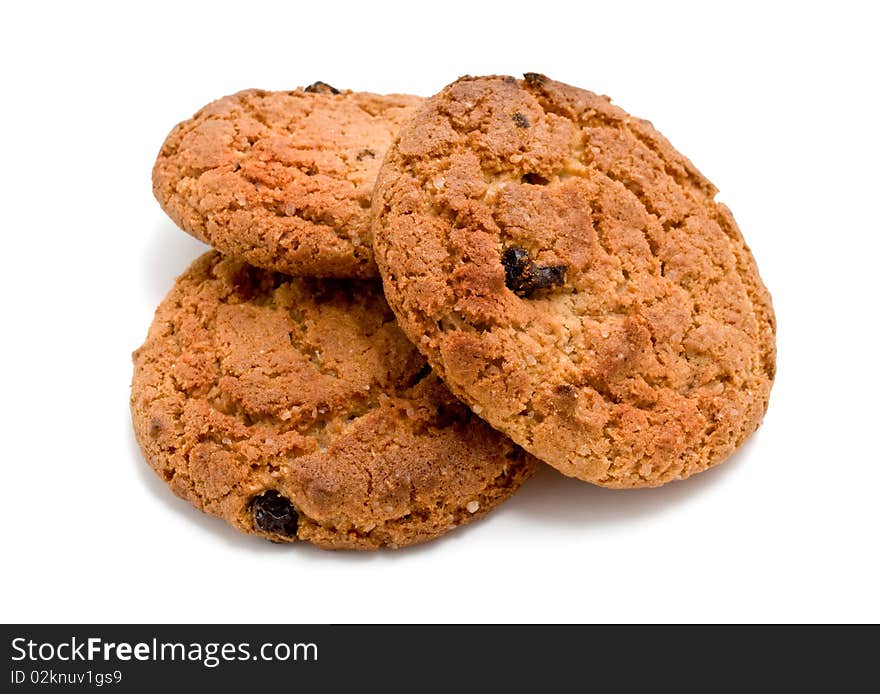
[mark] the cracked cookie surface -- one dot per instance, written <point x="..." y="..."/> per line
<point x="571" y="277"/>
<point x="282" y="179"/>
<point x="296" y="409"/>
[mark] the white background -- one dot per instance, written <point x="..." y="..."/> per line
<point x="777" y="104"/>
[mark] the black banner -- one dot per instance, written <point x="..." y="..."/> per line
<point x="138" y="657"/>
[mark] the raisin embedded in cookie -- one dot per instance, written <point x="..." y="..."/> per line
<point x="571" y="277"/>
<point x="282" y="179"/>
<point x="296" y="409"/>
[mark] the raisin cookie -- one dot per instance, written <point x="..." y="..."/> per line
<point x="296" y="409"/>
<point x="282" y="179"/>
<point x="572" y="278"/>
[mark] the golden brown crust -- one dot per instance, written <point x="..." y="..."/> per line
<point x="252" y="381"/>
<point x="646" y="353"/>
<point x="282" y="179"/>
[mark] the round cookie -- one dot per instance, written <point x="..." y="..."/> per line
<point x="296" y="409"/>
<point x="282" y="179"/>
<point x="571" y="277"/>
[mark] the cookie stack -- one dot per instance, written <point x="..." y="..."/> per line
<point x="413" y="302"/>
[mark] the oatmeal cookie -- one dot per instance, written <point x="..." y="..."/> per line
<point x="571" y="277"/>
<point x="295" y="409"/>
<point x="282" y="179"/>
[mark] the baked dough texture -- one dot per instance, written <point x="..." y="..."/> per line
<point x="571" y="277"/>
<point x="282" y="179"/>
<point x="295" y="409"/>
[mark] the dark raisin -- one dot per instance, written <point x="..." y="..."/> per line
<point x="364" y="153"/>
<point x="534" y="78"/>
<point x="321" y="88"/>
<point x="534" y="179"/>
<point x="548" y="275"/>
<point x="520" y="121"/>
<point x="273" y="513"/>
<point x="517" y="266"/>
<point x="523" y="277"/>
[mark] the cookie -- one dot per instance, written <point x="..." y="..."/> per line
<point x="572" y="278"/>
<point x="282" y="180"/>
<point x="295" y="409"/>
